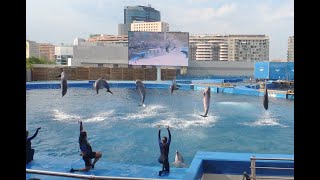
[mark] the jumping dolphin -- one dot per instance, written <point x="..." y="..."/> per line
<point x="265" y="99"/>
<point x="142" y="90"/>
<point x="185" y="53"/>
<point x="206" y="101"/>
<point x="178" y="160"/>
<point x="100" y="84"/>
<point x="174" y="86"/>
<point x="64" y="84"/>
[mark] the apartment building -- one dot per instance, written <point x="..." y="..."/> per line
<point x="32" y="49"/>
<point x="150" y="26"/>
<point x="248" y="48"/>
<point x="47" y="51"/>
<point x="290" y="53"/>
<point x="110" y="39"/>
<point x="209" y="47"/>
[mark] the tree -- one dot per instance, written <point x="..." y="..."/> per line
<point x="34" y="60"/>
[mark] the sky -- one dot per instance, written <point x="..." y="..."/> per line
<point x="61" y="21"/>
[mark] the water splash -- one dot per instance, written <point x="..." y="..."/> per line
<point x="147" y="112"/>
<point x="194" y="120"/>
<point x="267" y="119"/>
<point x="100" y="117"/>
<point x="62" y="116"/>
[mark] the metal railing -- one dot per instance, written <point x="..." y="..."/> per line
<point x="254" y="167"/>
<point x="82" y="176"/>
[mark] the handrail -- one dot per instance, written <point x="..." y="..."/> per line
<point x="82" y="176"/>
<point x="254" y="167"/>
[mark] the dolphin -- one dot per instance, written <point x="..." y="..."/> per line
<point x="64" y="84"/>
<point x="100" y="84"/>
<point x="178" y="160"/>
<point x="265" y="99"/>
<point x="174" y="86"/>
<point x="142" y="90"/>
<point x="206" y="101"/>
<point x="185" y="53"/>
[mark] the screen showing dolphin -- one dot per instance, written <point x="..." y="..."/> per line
<point x="158" y="48"/>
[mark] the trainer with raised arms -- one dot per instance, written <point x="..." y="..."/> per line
<point x="164" y="145"/>
<point x="86" y="151"/>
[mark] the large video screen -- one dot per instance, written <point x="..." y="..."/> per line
<point x="158" y="48"/>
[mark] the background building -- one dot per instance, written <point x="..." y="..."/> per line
<point x="62" y="53"/>
<point x="47" y="51"/>
<point x="32" y="49"/>
<point x="123" y="29"/>
<point x="290" y="53"/>
<point x="97" y="54"/>
<point x="137" y="13"/>
<point x="110" y="39"/>
<point x="206" y="47"/>
<point x="248" y="48"/>
<point x="78" y="41"/>
<point x="141" y="13"/>
<point x="150" y="26"/>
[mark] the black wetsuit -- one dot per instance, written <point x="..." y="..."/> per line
<point x="164" y="152"/>
<point x="29" y="150"/>
<point x="86" y="147"/>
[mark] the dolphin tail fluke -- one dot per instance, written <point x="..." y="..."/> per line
<point x="204" y="115"/>
<point x="110" y="91"/>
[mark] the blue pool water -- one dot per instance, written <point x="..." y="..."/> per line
<point x="126" y="133"/>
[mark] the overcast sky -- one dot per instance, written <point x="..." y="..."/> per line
<point x="61" y="21"/>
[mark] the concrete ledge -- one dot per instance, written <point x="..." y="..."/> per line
<point x="236" y="164"/>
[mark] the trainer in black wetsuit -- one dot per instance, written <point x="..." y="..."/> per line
<point x="29" y="150"/>
<point x="86" y="151"/>
<point x="164" y="151"/>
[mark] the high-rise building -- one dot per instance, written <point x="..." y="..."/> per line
<point x="248" y="48"/>
<point x="32" y="49"/>
<point x="140" y="13"/>
<point x="150" y="26"/>
<point x="290" y="53"/>
<point x="205" y="47"/>
<point x="47" y="51"/>
<point x="137" y="13"/>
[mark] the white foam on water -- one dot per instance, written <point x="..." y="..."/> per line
<point x="266" y="120"/>
<point x="238" y="104"/>
<point x="146" y="112"/>
<point x="100" y="117"/>
<point x="194" y="120"/>
<point x="62" y="116"/>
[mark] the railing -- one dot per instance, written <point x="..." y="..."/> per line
<point x="254" y="167"/>
<point x="81" y="176"/>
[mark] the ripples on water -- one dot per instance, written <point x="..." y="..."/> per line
<point x="126" y="132"/>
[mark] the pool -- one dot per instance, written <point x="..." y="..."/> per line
<point x="127" y="133"/>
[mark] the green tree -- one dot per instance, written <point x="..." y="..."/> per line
<point x="33" y="60"/>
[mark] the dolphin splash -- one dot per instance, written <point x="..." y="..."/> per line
<point x="206" y="101"/>
<point x="142" y="90"/>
